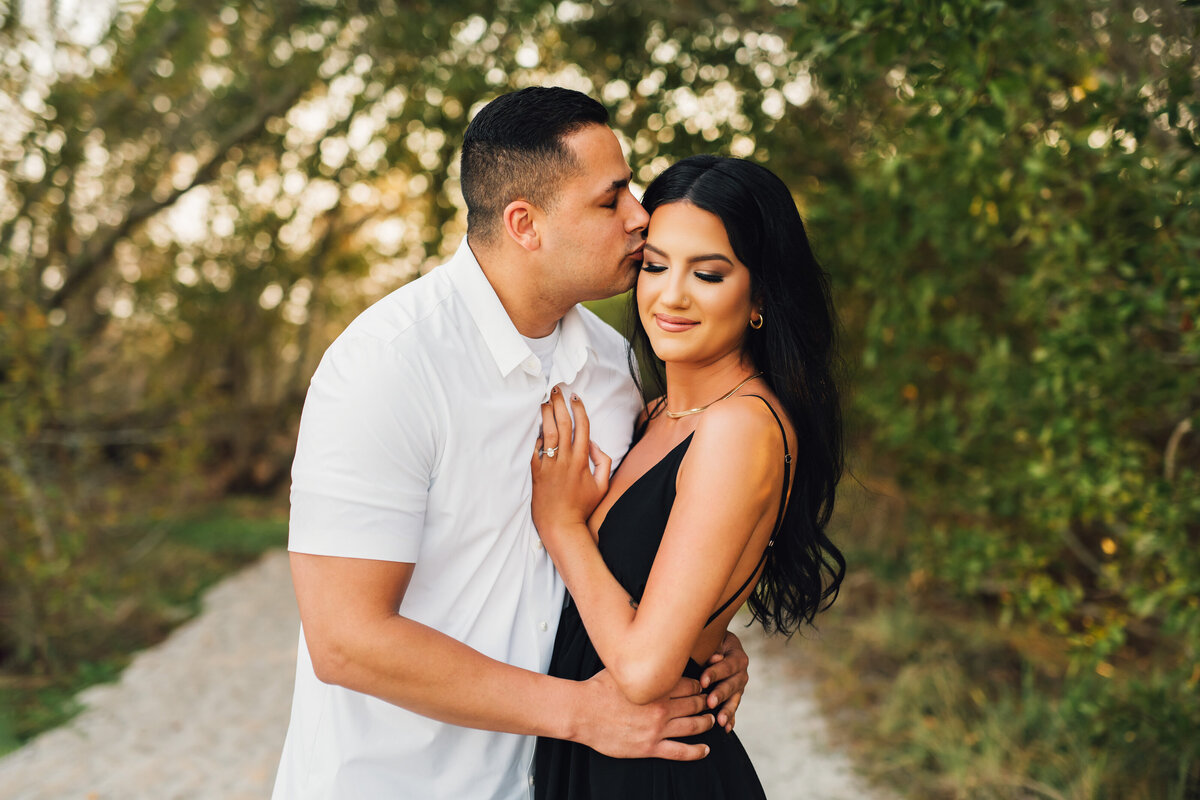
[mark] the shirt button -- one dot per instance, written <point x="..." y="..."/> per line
<point x="537" y="545"/>
<point x="531" y="780"/>
<point x="543" y="626"/>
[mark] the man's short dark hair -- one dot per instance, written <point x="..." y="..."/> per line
<point x="514" y="149"/>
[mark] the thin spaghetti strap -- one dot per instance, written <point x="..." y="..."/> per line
<point x="741" y="588"/>
<point x="787" y="476"/>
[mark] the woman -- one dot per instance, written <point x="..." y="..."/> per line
<point x="726" y="492"/>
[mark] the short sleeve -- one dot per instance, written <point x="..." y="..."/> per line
<point x="364" y="455"/>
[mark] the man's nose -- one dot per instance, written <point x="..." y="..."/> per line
<point x="638" y="218"/>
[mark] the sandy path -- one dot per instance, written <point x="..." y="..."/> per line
<point x="202" y="715"/>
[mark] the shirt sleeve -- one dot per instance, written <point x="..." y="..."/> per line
<point x="364" y="456"/>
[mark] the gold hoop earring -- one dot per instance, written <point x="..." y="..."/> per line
<point x="759" y="321"/>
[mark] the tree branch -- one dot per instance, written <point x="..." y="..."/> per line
<point x="86" y="264"/>
<point x="1181" y="428"/>
<point x="1081" y="552"/>
<point x="33" y="498"/>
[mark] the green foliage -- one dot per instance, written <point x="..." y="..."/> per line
<point x="1025" y="243"/>
<point x="126" y="597"/>
<point x="969" y="730"/>
<point x="949" y="704"/>
<point x="1004" y="193"/>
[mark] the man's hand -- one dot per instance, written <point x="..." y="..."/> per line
<point x="614" y="726"/>
<point x="727" y="669"/>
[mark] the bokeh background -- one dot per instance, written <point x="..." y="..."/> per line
<point x="196" y="196"/>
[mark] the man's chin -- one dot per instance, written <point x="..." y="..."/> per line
<point x="634" y="268"/>
<point x="615" y="289"/>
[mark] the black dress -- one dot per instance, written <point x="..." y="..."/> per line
<point x="628" y="541"/>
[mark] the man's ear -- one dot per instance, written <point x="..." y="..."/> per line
<point x="521" y="221"/>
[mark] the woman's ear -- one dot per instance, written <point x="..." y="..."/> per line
<point x="756" y="302"/>
<point x="521" y="220"/>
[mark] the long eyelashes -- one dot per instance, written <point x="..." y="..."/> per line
<point x="707" y="277"/>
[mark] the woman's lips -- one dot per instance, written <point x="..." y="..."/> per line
<point x="674" y="324"/>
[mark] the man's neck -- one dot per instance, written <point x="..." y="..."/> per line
<point x="533" y="311"/>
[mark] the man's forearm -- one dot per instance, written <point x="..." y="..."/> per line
<point x="427" y="672"/>
<point x="357" y="640"/>
<point x="440" y="677"/>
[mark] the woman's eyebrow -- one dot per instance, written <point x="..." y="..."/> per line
<point x="693" y="259"/>
<point x="710" y="257"/>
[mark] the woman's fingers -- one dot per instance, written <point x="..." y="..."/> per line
<point x="562" y="418"/>
<point x="569" y="432"/>
<point x="549" y="427"/>
<point x="582" y="434"/>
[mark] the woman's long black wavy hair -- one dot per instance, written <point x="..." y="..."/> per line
<point x="796" y="349"/>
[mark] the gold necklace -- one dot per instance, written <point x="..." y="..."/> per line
<point x="690" y="411"/>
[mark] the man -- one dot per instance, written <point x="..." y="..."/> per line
<point x="427" y="602"/>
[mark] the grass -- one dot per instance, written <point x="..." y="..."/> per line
<point x="129" y="595"/>
<point x="937" y="696"/>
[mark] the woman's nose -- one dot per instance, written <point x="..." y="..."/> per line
<point x="674" y="295"/>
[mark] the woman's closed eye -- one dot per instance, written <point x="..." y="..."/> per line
<point x="708" y="277"/>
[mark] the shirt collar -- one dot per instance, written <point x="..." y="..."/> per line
<point x="505" y="343"/>
<point x="573" y="346"/>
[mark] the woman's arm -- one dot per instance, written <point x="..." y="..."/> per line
<point x="725" y="489"/>
<point x="358" y="640"/>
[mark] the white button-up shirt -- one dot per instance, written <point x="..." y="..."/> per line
<point x="414" y="446"/>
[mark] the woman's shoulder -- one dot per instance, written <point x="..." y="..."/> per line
<point x="736" y="449"/>
<point x="743" y="430"/>
<point x="748" y="415"/>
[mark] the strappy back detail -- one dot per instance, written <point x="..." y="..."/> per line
<point x="787" y="479"/>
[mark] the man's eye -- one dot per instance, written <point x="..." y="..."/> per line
<point x="611" y="205"/>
